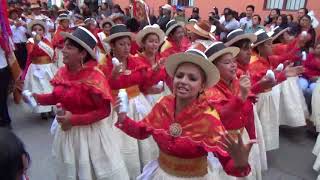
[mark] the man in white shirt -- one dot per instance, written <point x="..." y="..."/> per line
<point x="222" y="17"/>
<point x="19" y="38"/>
<point x="229" y="25"/>
<point x="165" y="18"/>
<point x="246" y="22"/>
<point x="5" y="120"/>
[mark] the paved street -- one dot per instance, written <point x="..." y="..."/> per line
<point x="293" y="161"/>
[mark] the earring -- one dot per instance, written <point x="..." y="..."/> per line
<point x="200" y="93"/>
<point x="82" y="59"/>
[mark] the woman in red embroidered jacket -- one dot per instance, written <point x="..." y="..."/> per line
<point x="238" y="38"/>
<point x="176" y="41"/>
<point x="233" y="101"/>
<point x="134" y="75"/>
<point x="149" y="39"/>
<point x="186" y="127"/>
<point x="293" y="108"/>
<point x="84" y="145"/>
<point x="310" y="85"/>
<point x="268" y="101"/>
<point x="312" y="65"/>
<point x="40" y="69"/>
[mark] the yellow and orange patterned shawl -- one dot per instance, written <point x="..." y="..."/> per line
<point x="199" y="122"/>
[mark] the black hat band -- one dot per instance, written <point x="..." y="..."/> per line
<point x="171" y="23"/>
<point x="214" y="48"/>
<point x="63" y="16"/>
<point x="234" y="34"/>
<point x="118" y="29"/>
<point x="196" y="52"/>
<point x="85" y="37"/>
<point x="261" y="37"/>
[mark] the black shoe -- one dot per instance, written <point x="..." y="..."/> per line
<point x="9" y="126"/>
<point x="44" y="116"/>
<point x="5" y="125"/>
<point x="51" y="114"/>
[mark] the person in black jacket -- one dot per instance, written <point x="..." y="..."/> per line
<point x="165" y="18"/>
<point x="195" y="14"/>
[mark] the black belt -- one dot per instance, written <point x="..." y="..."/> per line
<point x="22" y="43"/>
<point x="4" y="69"/>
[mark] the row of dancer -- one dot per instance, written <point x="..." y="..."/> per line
<point x="214" y="88"/>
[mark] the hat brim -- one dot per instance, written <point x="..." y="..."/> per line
<point x="190" y="27"/>
<point x="280" y="33"/>
<point x="84" y="45"/>
<point x="117" y="35"/>
<point x="103" y="22"/>
<point x="258" y="43"/>
<point x="147" y="31"/>
<point x="178" y="24"/>
<point x="249" y="36"/>
<point x="35" y="7"/>
<point x="36" y="22"/>
<point x="63" y="12"/>
<point x="64" y="18"/>
<point x="117" y="18"/>
<point x="211" y="71"/>
<point x="233" y="50"/>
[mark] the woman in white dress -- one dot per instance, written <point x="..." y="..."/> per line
<point x="40" y="69"/>
<point x="293" y="109"/>
<point x="186" y="127"/>
<point x="125" y="71"/>
<point x="233" y="100"/>
<point x="85" y="146"/>
<point x="262" y="71"/>
<point x="242" y="40"/>
<point x="149" y="39"/>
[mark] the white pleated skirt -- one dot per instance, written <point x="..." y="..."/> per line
<point x="88" y="152"/>
<point x="315" y="103"/>
<point x="254" y="161"/>
<point x="316" y="152"/>
<point x="37" y="80"/>
<point x="136" y="153"/>
<point x="268" y="111"/>
<point x="293" y="108"/>
<point x="261" y="144"/>
<point x="154" y="98"/>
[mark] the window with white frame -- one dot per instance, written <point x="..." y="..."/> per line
<point x="285" y="4"/>
<point x="295" y="4"/>
<point x="182" y="2"/>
